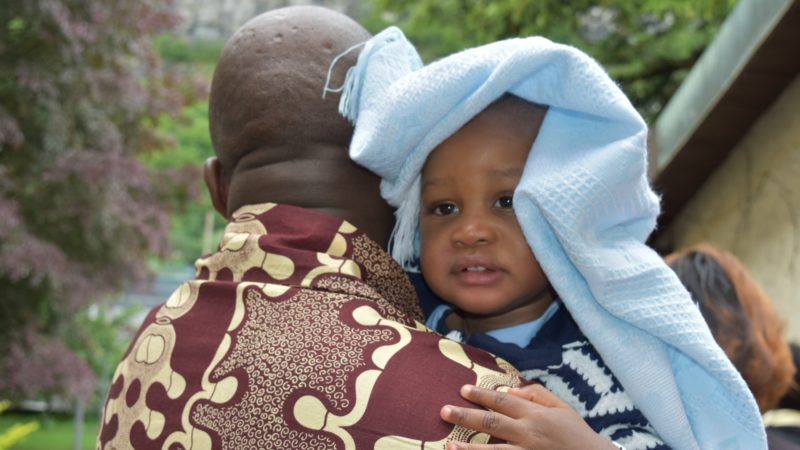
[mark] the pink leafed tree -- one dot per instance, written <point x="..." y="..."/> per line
<point x="81" y="90"/>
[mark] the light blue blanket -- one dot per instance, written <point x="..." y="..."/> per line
<point x="584" y="204"/>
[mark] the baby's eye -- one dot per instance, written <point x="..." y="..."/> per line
<point x="504" y="202"/>
<point x="445" y="209"/>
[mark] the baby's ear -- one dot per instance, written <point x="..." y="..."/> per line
<point x="217" y="187"/>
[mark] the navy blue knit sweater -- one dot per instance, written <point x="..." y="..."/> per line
<point x="562" y="359"/>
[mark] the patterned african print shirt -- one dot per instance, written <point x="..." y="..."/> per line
<point x="299" y="332"/>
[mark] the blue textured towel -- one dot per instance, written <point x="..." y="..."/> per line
<point x="584" y="204"/>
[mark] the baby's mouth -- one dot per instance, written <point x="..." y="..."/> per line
<point x="478" y="275"/>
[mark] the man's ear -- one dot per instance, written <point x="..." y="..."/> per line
<point x="217" y="186"/>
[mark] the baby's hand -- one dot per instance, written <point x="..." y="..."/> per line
<point x="528" y="418"/>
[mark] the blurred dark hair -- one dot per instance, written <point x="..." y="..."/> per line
<point x="792" y="398"/>
<point x="741" y="318"/>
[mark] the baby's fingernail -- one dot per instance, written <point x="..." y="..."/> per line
<point x="453" y="446"/>
<point x="467" y="389"/>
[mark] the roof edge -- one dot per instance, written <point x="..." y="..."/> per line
<point x="739" y="37"/>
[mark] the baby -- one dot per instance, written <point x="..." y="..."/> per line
<point x="475" y="257"/>
<point x="530" y="225"/>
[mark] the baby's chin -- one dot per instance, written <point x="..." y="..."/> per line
<point x="481" y="312"/>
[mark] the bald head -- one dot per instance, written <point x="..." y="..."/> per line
<point x="269" y="80"/>
<point x="276" y="138"/>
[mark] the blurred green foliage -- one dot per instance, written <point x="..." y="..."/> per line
<point x="14" y="431"/>
<point x="102" y="335"/>
<point x="191" y="145"/>
<point x="179" y="49"/>
<point x="52" y="431"/>
<point x="196" y="53"/>
<point x="647" y="46"/>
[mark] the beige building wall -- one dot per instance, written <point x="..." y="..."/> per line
<point x="751" y="206"/>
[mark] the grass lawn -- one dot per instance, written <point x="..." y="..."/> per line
<point x="54" y="433"/>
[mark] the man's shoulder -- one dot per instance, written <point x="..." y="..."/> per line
<point x="286" y="356"/>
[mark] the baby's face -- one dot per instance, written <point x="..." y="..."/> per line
<point x="473" y="252"/>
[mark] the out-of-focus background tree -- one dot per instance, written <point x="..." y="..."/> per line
<point x="82" y="96"/>
<point x="648" y="46"/>
<point x="81" y="92"/>
<point x="103" y="126"/>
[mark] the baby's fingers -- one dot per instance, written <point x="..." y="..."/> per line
<point x="463" y="446"/>
<point x="538" y="394"/>
<point x="509" y="405"/>
<point x="480" y="420"/>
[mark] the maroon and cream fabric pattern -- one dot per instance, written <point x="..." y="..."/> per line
<point x="299" y="332"/>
